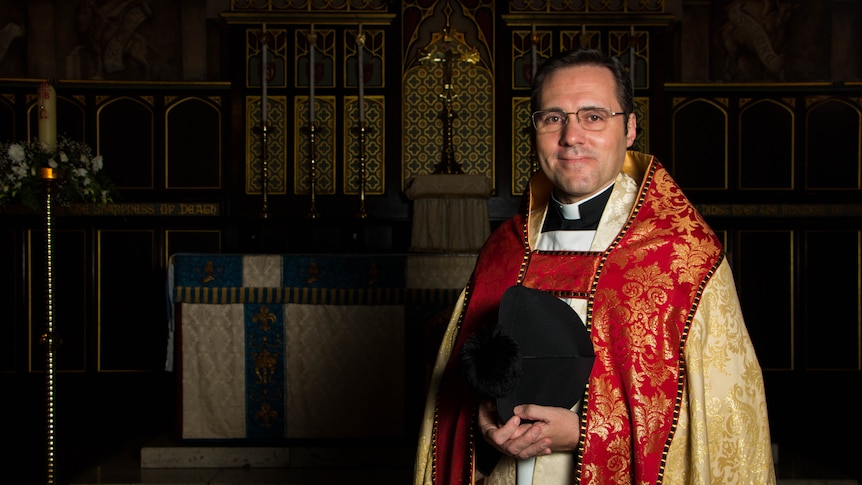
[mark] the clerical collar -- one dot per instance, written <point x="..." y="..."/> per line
<point x="580" y="216"/>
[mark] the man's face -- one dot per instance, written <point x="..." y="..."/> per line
<point x="580" y="162"/>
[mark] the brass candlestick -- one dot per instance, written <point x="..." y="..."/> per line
<point x="312" y="210"/>
<point x="361" y="214"/>
<point x="264" y="169"/>
<point x="49" y="176"/>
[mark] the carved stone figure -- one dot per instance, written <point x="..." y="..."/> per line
<point x="753" y="39"/>
<point x="7" y="35"/>
<point x="108" y="32"/>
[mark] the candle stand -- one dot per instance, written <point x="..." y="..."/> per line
<point x="312" y="210"/>
<point x="262" y="129"/>
<point x="264" y="170"/>
<point x="360" y="78"/>
<point x="49" y="177"/>
<point x="361" y="214"/>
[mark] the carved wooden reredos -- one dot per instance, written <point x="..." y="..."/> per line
<point x="754" y="106"/>
<point x="161" y="42"/>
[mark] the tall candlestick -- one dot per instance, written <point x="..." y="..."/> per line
<point x="533" y="41"/>
<point x="263" y="75"/>
<point x="47" y="116"/>
<point x="312" y="39"/>
<point x="360" y="43"/>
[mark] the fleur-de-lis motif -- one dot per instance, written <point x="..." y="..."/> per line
<point x="265" y="415"/>
<point x="264" y="318"/>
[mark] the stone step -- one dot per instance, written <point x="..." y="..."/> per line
<point x="273" y="457"/>
<point x="254" y="465"/>
<point x="294" y="465"/>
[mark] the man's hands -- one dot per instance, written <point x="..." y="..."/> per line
<point x="533" y="431"/>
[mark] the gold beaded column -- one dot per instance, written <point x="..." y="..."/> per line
<point x="50" y="341"/>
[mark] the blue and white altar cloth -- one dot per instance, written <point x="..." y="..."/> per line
<point x="301" y="346"/>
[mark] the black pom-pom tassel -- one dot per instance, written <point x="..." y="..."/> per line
<point x="491" y="363"/>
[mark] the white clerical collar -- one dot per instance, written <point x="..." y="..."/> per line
<point x="573" y="211"/>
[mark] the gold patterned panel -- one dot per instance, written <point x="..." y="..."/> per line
<point x="276" y="58"/>
<point x="374" y="149"/>
<point x="588" y="6"/>
<point x="324" y="145"/>
<point x="373" y="114"/>
<point x="324" y="57"/>
<point x="632" y="47"/>
<point x="276" y="142"/>
<point x="373" y="59"/>
<point x="447" y="88"/>
<point x="421" y="124"/>
<point x="529" y="49"/>
<point x="306" y="5"/>
<point x="473" y="126"/>
<point x="475" y="133"/>
<point x="582" y="37"/>
<point x="523" y="155"/>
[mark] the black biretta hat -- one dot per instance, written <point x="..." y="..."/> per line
<point x="539" y="353"/>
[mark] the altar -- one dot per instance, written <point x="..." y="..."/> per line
<point x="305" y="346"/>
<point x="450" y="212"/>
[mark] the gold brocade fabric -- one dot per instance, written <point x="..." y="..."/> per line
<point x="718" y="431"/>
<point x="722" y="435"/>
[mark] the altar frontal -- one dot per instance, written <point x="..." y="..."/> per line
<point x="301" y="346"/>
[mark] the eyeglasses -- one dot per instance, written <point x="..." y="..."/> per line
<point x="592" y="119"/>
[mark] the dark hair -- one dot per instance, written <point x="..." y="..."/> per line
<point x="586" y="57"/>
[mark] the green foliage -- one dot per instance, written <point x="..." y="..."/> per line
<point x="79" y="174"/>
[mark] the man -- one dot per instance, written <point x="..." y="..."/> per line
<point x="675" y="395"/>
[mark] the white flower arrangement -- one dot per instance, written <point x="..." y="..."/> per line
<point x="79" y="174"/>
